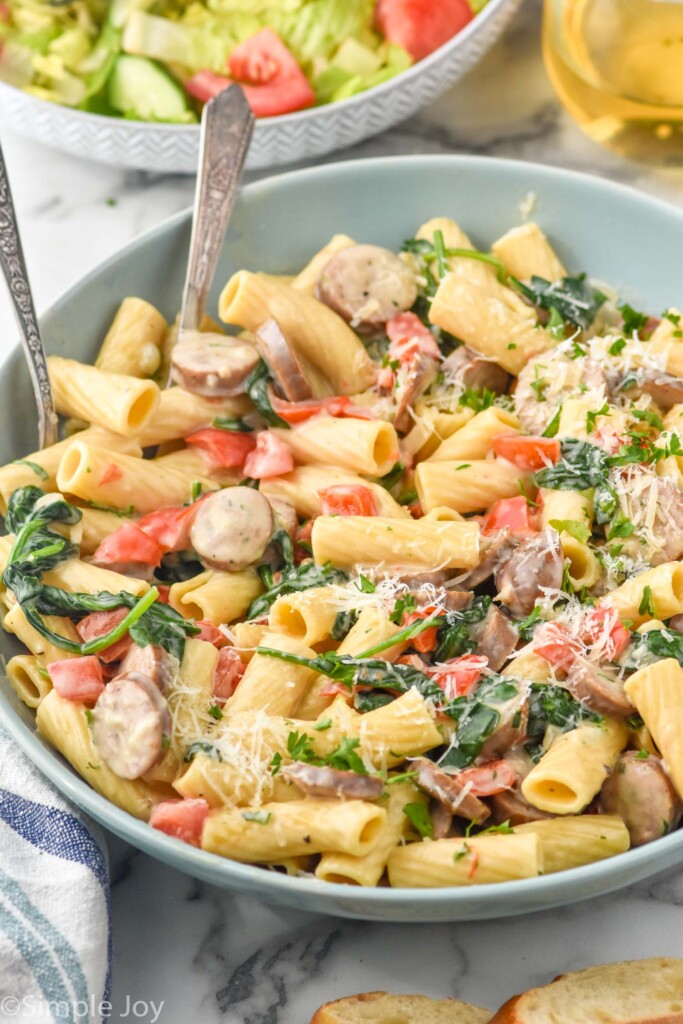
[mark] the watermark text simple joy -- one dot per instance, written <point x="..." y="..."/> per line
<point x="30" y="1007"/>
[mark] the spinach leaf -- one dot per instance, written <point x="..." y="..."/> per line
<point x="573" y="298"/>
<point x="162" y="625"/>
<point x="202" y="747"/>
<point x="257" y="389"/>
<point x="343" y="624"/>
<point x="553" y="705"/>
<point x="660" y="643"/>
<point x="453" y="638"/>
<point x="294" y="579"/>
<point x="176" y="568"/>
<point x="582" y="465"/>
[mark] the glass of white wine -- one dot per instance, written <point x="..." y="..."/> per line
<point x="617" y="66"/>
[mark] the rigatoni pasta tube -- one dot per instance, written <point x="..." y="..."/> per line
<point x="368" y="869"/>
<point x="481" y="860"/>
<point x="120" y="403"/>
<point x="575" y="840"/>
<point x="243" y="778"/>
<point x="134" y="341"/>
<point x="15" y="622"/>
<point x="307" y="278"/>
<point x="64" y="725"/>
<point x="525" y="252"/>
<point x="47" y="460"/>
<point x="191" y="694"/>
<point x="307" y="615"/>
<point x="180" y="413"/>
<point x="301" y="489"/>
<point x="466" y="486"/>
<point x="294" y="829"/>
<point x="657" y="694"/>
<point x="29" y="679"/>
<point x="574" y="768"/>
<point x="347" y="541"/>
<point x="217" y="596"/>
<point x="665" y="583"/>
<point x="94" y="474"/>
<point x="270" y="684"/>
<point x="83" y="578"/>
<point x="361" y="446"/>
<point x="248" y="300"/>
<point x="566" y="506"/>
<point x="403" y="728"/>
<point x="474" y="439"/>
<point x="432" y="428"/>
<point x="96" y="525"/>
<point x="583" y="566"/>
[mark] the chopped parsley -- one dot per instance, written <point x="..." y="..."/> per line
<point x="419" y="818"/>
<point x="259" y="817"/>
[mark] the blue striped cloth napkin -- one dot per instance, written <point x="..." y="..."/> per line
<point x="55" y="921"/>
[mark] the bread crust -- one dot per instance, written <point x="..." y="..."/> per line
<point x="328" y="1014"/>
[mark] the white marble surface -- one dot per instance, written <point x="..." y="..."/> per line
<point x="208" y="956"/>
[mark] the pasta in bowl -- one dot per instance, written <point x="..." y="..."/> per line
<point x="394" y="611"/>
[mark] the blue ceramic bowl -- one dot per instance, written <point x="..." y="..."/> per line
<point x="613" y="233"/>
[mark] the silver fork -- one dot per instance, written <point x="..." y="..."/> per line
<point x="16" y="275"/>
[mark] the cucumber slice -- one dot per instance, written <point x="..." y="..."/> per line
<point x="140" y="89"/>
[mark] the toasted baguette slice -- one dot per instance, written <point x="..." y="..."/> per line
<point x="634" y="992"/>
<point x="384" y="1008"/>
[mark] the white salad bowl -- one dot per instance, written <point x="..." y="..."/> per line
<point x="171" y="148"/>
<point x="614" y="234"/>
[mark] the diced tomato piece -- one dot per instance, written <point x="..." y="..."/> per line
<point x="489" y="779"/>
<point x="604" y="627"/>
<point x="271" y="457"/>
<point x="386" y="378"/>
<point x="98" y="624"/>
<point x="459" y="676"/>
<point x="332" y="689"/>
<point x="170" y="526"/>
<point x="78" y="679"/>
<point x="206" y="84"/>
<point x="224" y="449"/>
<point x="408" y="336"/>
<point x="164" y="593"/>
<point x="227" y="674"/>
<point x="340" y="406"/>
<point x="426" y="641"/>
<point x="511" y="513"/>
<point x="111" y="473"/>
<point x="128" y="544"/>
<point x="182" y="819"/>
<point x="421" y="26"/>
<point x="270" y="76"/>
<point x="554" y="643"/>
<point x="210" y="634"/>
<point x="529" y="453"/>
<point x="348" y="500"/>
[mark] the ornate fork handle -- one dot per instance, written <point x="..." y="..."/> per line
<point x="227" y="125"/>
<point x="14" y="269"/>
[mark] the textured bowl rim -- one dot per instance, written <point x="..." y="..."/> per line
<point x="542" y="892"/>
<point x="298" y="116"/>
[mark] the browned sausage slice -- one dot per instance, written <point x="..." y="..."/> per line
<point x="442" y="820"/>
<point x="662" y="387"/>
<point x="283" y="362"/>
<point x="511" y="806"/>
<point x="449" y="791"/>
<point x="419" y="377"/>
<point x="232" y="528"/>
<point x="496" y="637"/>
<point x="494" y="550"/>
<point x="130" y="721"/>
<point x="367" y="285"/>
<point x="472" y="370"/>
<point x="152" y="661"/>
<point x="537" y="564"/>
<point x="641" y="793"/>
<point x="510" y="730"/>
<point x="213" y="365"/>
<point x="324" y="782"/>
<point x="599" y="689"/>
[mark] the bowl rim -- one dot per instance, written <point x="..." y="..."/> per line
<point x="298" y="116"/>
<point x="542" y="892"/>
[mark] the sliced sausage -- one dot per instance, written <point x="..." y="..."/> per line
<point x="641" y="793"/>
<point x="496" y="637"/>
<point x="152" y="661"/>
<point x="283" y="362"/>
<point x="232" y="528"/>
<point x="330" y="782"/>
<point x="449" y="791"/>
<point x="285" y="516"/>
<point x="130" y="721"/>
<point x="510" y="730"/>
<point x="676" y="623"/>
<point x="442" y="820"/>
<point x="367" y="285"/>
<point x="511" y="806"/>
<point x="213" y="365"/>
<point x="472" y="370"/>
<point x="536" y="565"/>
<point x="494" y="550"/>
<point x="664" y="389"/>
<point x="599" y="689"/>
<point x="668" y="524"/>
<point x="420" y="375"/>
